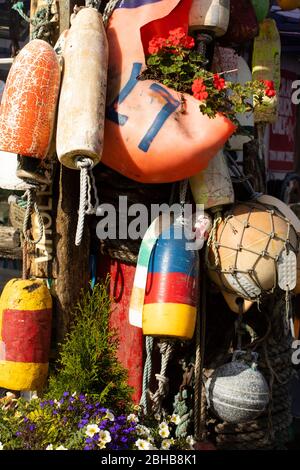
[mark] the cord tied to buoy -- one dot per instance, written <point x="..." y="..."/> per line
<point x="87" y="185"/>
<point x="30" y="196"/>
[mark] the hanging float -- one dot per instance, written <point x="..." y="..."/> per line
<point x="237" y="392"/>
<point x="210" y="15"/>
<point x="142" y="114"/>
<point x="243" y="258"/>
<point x="28" y="106"/>
<point x="243" y="24"/>
<point x="81" y="110"/>
<point x="261" y="8"/>
<point x="8" y="178"/>
<point x="266" y="66"/>
<point x="170" y="303"/>
<point x="227" y="59"/>
<point x="25" y="330"/>
<point x="288" y="4"/>
<point x="212" y="187"/>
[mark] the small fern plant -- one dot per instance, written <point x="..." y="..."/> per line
<point x="88" y="360"/>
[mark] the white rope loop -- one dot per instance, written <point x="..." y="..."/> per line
<point x="87" y="184"/>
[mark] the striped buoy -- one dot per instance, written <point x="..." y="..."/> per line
<point x="27" y="110"/>
<point x="25" y="330"/>
<point x="172" y="285"/>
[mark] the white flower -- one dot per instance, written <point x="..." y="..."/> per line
<point x="49" y="447"/>
<point x="57" y="403"/>
<point x="104" y="436"/>
<point x="74" y="394"/>
<point x="34" y="396"/>
<point x="142" y="444"/>
<point x="109" y="415"/>
<point x="166" y="444"/>
<point x="132" y="418"/>
<point x="92" y="429"/>
<point x="163" y="425"/>
<point x="102" y="444"/>
<point x="61" y="448"/>
<point x="142" y="430"/>
<point x="175" y="419"/>
<point x="164" y="432"/>
<point x="191" y="441"/>
<point x="1" y="446"/>
<point x="157" y="416"/>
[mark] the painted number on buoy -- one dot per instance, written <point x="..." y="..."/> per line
<point x="121" y="119"/>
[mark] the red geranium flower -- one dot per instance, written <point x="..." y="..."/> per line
<point x="219" y="83"/>
<point x="270" y="90"/>
<point x="178" y="37"/>
<point x="199" y="89"/>
<point x="156" y="44"/>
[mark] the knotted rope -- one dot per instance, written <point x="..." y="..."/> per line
<point x="31" y="207"/>
<point x="147" y="374"/>
<point x="166" y="350"/>
<point x="41" y="22"/>
<point x="109" y="9"/>
<point x="87" y="183"/>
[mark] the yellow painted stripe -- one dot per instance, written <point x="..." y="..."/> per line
<point x="22" y="375"/>
<point x="30" y="294"/>
<point x="169" y="320"/>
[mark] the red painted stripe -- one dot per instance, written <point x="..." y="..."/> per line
<point x="26" y="335"/>
<point x="178" y="288"/>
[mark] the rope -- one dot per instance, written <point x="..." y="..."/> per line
<point x="85" y="206"/>
<point x="166" y="350"/>
<point x="32" y="207"/>
<point x="24" y="264"/>
<point x="147" y="373"/>
<point x="213" y="238"/>
<point x="93" y="3"/>
<point x="109" y="9"/>
<point x="41" y="22"/>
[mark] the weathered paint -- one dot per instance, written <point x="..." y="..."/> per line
<point x="172" y="286"/>
<point x="130" y="352"/>
<point x="143" y="114"/>
<point x="81" y="111"/>
<point x="25" y="330"/>
<point x="211" y="15"/>
<point x="27" y="110"/>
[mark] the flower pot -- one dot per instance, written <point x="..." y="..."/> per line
<point x="149" y="136"/>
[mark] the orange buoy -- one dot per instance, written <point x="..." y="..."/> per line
<point x="27" y="110"/>
<point x="288" y="4"/>
<point x="25" y="329"/>
<point x="143" y="114"/>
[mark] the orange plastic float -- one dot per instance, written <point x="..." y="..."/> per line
<point x="148" y="137"/>
<point x="27" y="110"/>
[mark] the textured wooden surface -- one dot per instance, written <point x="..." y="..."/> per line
<point x="131" y="339"/>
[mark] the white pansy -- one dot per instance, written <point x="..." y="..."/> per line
<point x="163" y="425"/>
<point x="104" y="436"/>
<point x="91" y="430"/>
<point x="132" y="418"/>
<point x="49" y="447"/>
<point x="61" y="448"/>
<point x="102" y="444"/>
<point x="164" y="433"/>
<point x="1" y="446"/>
<point x="166" y="444"/>
<point x="142" y="444"/>
<point x="175" y="419"/>
<point x="109" y="415"/>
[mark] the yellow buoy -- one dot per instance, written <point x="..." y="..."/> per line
<point x="25" y="331"/>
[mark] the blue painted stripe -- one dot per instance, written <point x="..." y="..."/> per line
<point x="171" y="256"/>
<point x="135" y="3"/>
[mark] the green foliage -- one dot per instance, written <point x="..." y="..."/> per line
<point x="88" y="359"/>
